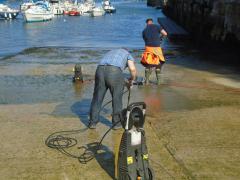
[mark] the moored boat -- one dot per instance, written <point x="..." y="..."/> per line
<point x="41" y="11"/>
<point x="68" y="6"/>
<point x="26" y="5"/>
<point x="66" y="12"/>
<point x="86" y="7"/>
<point x="57" y="7"/>
<point x="58" y="10"/>
<point x="108" y="8"/>
<point x="98" y="11"/>
<point x="8" y="13"/>
<point x="74" y="12"/>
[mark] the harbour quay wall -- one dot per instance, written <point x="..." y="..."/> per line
<point x="214" y="20"/>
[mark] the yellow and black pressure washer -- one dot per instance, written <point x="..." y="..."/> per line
<point x="132" y="162"/>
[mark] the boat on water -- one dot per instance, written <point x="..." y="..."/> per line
<point x="86" y="7"/>
<point x="7" y="12"/>
<point x="74" y="12"/>
<point x="41" y="11"/>
<point x="57" y="7"/>
<point x="26" y="5"/>
<point x="67" y="6"/>
<point x="108" y="8"/>
<point x="98" y="11"/>
<point x="75" y="9"/>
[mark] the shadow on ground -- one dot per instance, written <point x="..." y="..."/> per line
<point x="82" y="108"/>
<point x="104" y="157"/>
<point x="68" y="146"/>
<point x="215" y="61"/>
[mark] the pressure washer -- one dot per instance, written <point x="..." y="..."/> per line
<point x="131" y="160"/>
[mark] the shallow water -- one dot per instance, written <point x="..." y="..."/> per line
<point x="30" y="74"/>
<point x="44" y="74"/>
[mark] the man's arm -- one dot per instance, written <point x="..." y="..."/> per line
<point x="132" y="69"/>
<point x="143" y="35"/>
<point x="163" y="32"/>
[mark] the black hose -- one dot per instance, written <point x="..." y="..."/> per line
<point x="59" y="142"/>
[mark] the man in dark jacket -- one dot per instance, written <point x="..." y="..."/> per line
<point x="153" y="56"/>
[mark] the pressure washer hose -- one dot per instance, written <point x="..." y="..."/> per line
<point x="60" y="142"/>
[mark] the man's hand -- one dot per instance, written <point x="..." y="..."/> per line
<point x="128" y="83"/>
<point x="163" y="32"/>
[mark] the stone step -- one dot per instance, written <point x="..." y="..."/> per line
<point x="172" y="28"/>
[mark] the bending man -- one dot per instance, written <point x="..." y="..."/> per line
<point x="109" y="75"/>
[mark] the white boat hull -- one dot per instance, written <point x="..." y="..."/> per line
<point x="98" y="12"/>
<point x="86" y="13"/>
<point x="30" y="17"/>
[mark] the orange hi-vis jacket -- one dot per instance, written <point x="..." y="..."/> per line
<point x="152" y="56"/>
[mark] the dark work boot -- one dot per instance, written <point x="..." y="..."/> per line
<point x="158" y="76"/>
<point x="92" y="125"/>
<point x="148" y="72"/>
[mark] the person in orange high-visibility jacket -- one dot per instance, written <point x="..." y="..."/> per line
<point x="153" y="57"/>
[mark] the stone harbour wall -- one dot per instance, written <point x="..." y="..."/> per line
<point x="216" y="20"/>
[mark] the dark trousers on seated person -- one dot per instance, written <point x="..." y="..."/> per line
<point x="107" y="77"/>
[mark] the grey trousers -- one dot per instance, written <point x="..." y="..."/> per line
<point x="107" y="77"/>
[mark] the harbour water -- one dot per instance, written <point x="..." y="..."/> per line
<point x="122" y="29"/>
<point x="30" y="47"/>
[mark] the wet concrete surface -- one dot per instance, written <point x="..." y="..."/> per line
<point x="192" y="122"/>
